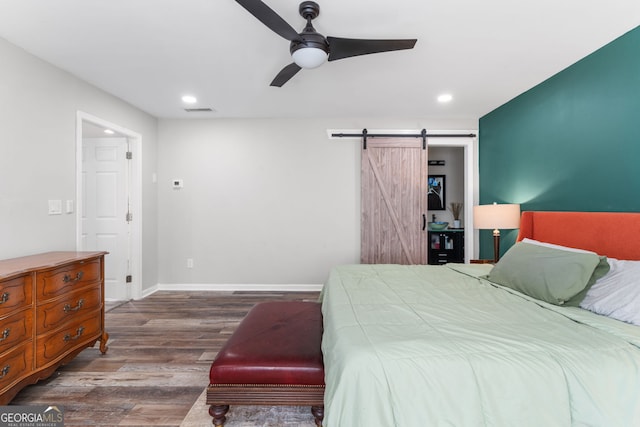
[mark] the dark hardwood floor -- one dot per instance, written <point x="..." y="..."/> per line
<point x="160" y="350"/>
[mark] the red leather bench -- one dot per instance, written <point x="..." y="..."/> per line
<point x="273" y="358"/>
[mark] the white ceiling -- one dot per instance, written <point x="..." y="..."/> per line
<point x="151" y="52"/>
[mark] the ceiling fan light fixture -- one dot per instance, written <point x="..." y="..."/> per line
<point x="309" y="48"/>
<point x="309" y="57"/>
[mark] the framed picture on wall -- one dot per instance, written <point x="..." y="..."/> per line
<point x="436" y="200"/>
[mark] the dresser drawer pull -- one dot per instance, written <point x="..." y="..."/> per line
<point x="4" y="298"/>
<point x="79" y="332"/>
<point x="5" y="371"/>
<point x="67" y="278"/>
<point x="67" y="308"/>
<point x="5" y="334"/>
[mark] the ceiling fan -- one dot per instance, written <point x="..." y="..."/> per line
<point x="310" y="49"/>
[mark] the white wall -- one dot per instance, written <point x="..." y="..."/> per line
<point x="265" y="201"/>
<point x="269" y="201"/>
<point x="38" y="105"/>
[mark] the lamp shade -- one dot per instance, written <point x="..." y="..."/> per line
<point x="496" y="216"/>
<point x="309" y="57"/>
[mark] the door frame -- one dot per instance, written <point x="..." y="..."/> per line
<point x="134" y="290"/>
<point x="471" y="187"/>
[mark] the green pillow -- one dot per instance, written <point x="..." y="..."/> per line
<point x="548" y="274"/>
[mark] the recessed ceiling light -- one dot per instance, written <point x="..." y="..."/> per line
<point x="188" y="99"/>
<point x="109" y="132"/>
<point x="445" y="97"/>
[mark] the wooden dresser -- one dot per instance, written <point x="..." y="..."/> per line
<point x="51" y="308"/>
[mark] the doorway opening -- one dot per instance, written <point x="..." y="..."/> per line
<point x="108" y="201"/>
<point x="470" y="187"/>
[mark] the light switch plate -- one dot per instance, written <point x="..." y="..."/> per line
<point x="55" y="207"/>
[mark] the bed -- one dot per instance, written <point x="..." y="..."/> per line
<point x="448" y="346"/>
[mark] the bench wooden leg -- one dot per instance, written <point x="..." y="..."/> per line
<point x="218" y="413"/>
<point x="318" y="414"/>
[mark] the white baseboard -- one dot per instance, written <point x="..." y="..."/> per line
<point x="149" y="291"/>
<point x="222" y="287"/>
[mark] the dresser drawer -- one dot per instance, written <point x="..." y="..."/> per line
<point x="54" y="345"/>
<point x="68" y="308"/>
<point x="65" y="279"/>
<point x="15" y="293"/>
<point x="15" y="364"/>
<point x="15" y="329"/>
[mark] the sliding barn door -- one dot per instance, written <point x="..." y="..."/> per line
<point x="393" y="199"/>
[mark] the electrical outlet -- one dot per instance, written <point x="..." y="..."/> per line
<point x="189" y="262"/>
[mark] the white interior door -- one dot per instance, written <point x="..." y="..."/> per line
<point x="105" y="196"/>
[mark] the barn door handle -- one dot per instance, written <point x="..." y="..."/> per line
<point x="424" y="222"/>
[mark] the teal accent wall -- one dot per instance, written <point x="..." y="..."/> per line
<point x="571" y="143"/>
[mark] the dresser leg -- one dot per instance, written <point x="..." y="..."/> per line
<point x="103" y="342"/>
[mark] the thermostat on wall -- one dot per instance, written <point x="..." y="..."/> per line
<point x="177" y="183"/>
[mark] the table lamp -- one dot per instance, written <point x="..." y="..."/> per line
<point x="495" y="217"/>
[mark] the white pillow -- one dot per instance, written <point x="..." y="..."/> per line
<point x="617" y="294"/>
<point x="551" y="245"/>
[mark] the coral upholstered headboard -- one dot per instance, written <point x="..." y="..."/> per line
<point x="614" y="234"/>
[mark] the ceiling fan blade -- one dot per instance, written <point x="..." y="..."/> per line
<point x="285" y="74"/>
<point x="271" y="19"/>
<point x="340" y="48"/>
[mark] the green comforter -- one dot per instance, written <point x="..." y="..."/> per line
<point x="438" y="346"/>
